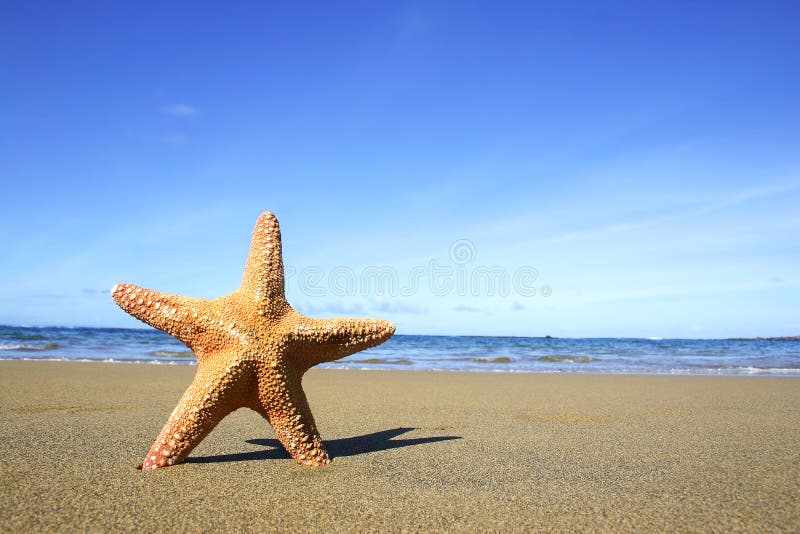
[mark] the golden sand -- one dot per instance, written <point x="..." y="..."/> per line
<point x="411" y="450"/>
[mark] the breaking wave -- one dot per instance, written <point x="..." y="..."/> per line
<point x="29" y="348"/>
<point x="171" y="354"/>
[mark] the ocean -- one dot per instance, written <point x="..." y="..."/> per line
<point x="441" y="353"/>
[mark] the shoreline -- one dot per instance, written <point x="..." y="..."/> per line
<point x="751" y="372"/>
<point x="414" y="450"/>
<point x="445" y="353"/>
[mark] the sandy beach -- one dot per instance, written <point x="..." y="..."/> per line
<point x="411" y="450"/>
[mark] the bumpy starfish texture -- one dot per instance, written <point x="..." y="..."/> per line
<point x="252" y="350"/>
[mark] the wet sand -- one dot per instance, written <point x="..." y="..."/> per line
<point x="411" y="451"/>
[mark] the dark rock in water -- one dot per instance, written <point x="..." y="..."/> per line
<point x="500" y="359"/>
<point x="565" y="359"/>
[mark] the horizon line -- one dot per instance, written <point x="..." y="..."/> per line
<point x="546" y="336"/>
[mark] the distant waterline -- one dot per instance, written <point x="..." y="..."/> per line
<point x="441" y="353"/>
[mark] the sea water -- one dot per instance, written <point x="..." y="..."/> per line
<point x="441" y="353"/>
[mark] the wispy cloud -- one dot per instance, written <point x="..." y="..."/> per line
<point x="337" y="306"/>
<point x="360" y="307"/>
<point x="628" y="226"/>
<point x="399" y="307"/>
<point x="91" y="291"/>
<point x="170" y="138"/>
<point x="685" y="290"/>
<point x="180" y="110"/>
<point x="469" y="309"/>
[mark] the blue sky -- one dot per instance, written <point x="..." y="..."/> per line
<point x="625" y="168"/>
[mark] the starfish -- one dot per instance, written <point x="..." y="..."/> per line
<point x="252" y="349"/>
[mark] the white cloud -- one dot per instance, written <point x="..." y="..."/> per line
<point x="336" y="306"/>
<point x="180" y="110"/>
<point x="470" y="309"/>
<point x="739" y="197"/>
<point x="360" y="307"/>
<point x="399" y="307"/>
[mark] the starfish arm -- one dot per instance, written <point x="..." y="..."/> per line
<point x="331" y="339"/>
<point x="175" y="315"/>
<point x="263" y="275"/>
<point x="283" y="403"/>
<point x="214" y="393"/>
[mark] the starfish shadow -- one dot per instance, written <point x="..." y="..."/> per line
<point x="377" y="441"/>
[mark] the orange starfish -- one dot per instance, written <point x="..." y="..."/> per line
<point x="252" y="350"/>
